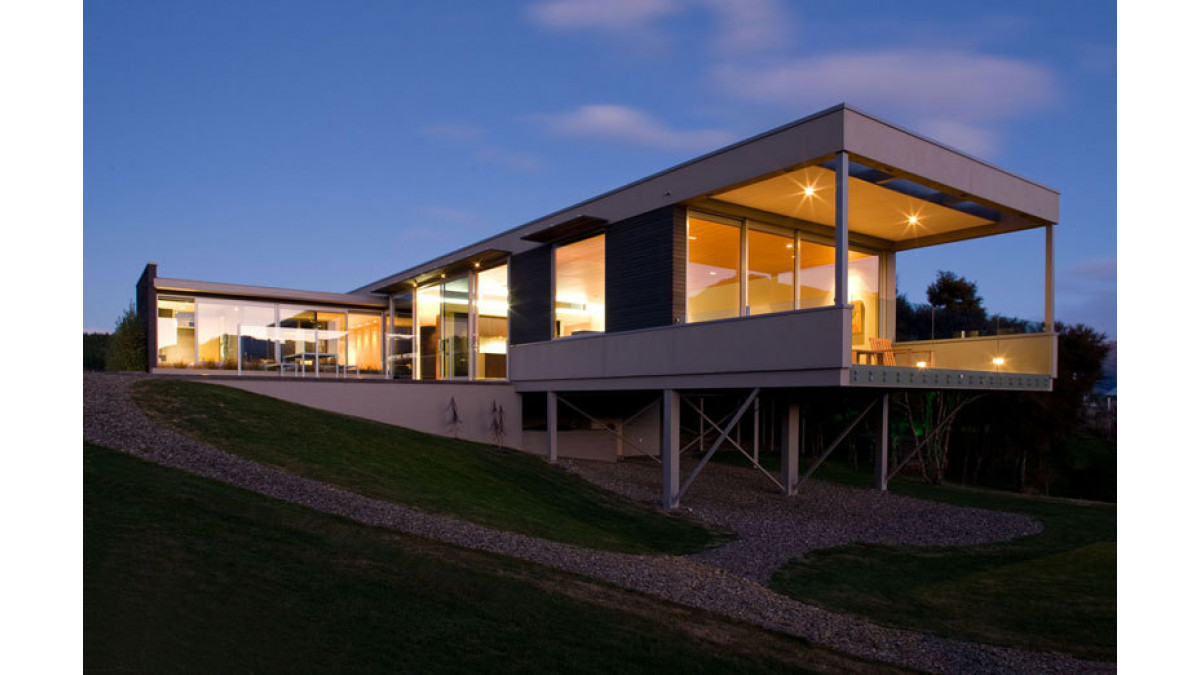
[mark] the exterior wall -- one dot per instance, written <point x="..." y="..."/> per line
<point x="530" y="314"/>
<point x="423" y="406"/>
<point x="147" y="309"/>
<point x="775" y="347"/>
<point x="642" y="267"/>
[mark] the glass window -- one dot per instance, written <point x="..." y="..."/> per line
<point x="228" y="331"/>
<point x="816" y="275"/>
<point x="771" y="268"/>
<point x="429" y="308"/>
<point x="712" y="270"/>
<point x="176" y="332"/>
<point x="864" y="297"/>
<point x="579" y="287"/>
<point x="400" y="349"/>
<point x="364" y="351"/>
<point x="492" y="324"/>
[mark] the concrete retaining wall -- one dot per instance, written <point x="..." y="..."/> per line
<point x="424" y="406"/>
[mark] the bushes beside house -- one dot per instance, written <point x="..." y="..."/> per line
<point x="126" y="349"/>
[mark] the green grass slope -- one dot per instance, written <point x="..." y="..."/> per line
<point x="184" y="574"/>
<point x="504" y="489"/>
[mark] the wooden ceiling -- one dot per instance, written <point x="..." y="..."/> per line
<point x="874" y="209"/>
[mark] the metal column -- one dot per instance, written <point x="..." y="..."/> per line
<point x="790" y="448"/>
<point x="881" y="448"/>
<point x="551" y="427"/>
<point x="1049" y="279"/>
<point x="670" y="448"/>
<point x="841" y="234"/>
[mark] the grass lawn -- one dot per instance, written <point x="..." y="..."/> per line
<point x="505" y="489"/>
<point x="1054" y="591"/>
<point x="184" y="574"/>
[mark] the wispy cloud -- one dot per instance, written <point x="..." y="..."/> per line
<point x="474" y="138"/>
<point x="740" y="25"/>
<point x="749" y="25"/>
<point x="632" y="126"/>
<point x="609" y="15"/>
<point x="951" y="92"/>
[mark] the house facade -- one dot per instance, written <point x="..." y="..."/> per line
<point x="761" y="272"/>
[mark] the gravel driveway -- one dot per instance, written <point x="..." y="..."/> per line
<point x="725" y="580"/>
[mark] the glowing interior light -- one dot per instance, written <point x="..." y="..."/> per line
<point x="912" y="220"/>
<point x="922" y="364"/>
<point x="809" y="191"/>
<point x="789" y="245"/>
<point x="998" y="361"/>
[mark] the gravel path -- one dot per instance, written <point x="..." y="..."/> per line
<point x="705" y="580"/>
<point x="772" y="530"/>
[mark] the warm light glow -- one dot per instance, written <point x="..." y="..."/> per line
<point x="998" y="361"/>
<point x="912" y="220"/>
<point x="809" y="191"/>
<point x="922" y="364"/>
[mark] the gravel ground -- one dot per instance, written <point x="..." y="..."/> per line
<point x="772" y="530"/>
<point x="706" y="581"/>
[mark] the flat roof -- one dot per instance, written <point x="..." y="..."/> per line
<point x="814" y="138"/>
<point x="187" y="286"/>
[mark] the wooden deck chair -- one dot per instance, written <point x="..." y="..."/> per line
<point x="889" y="352"/>
<point x="884" y="345"/>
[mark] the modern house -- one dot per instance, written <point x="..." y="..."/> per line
<point x="761" y="273"/>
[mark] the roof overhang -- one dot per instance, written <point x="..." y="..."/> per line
<point x="954" y="179"/>
<point x="189" y="287"/>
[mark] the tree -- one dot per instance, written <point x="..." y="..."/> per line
<point x="127" y="345"/>
<point x="94" y="347"/>
<point x="956" y="305"/>
<point x="954" y="293"/>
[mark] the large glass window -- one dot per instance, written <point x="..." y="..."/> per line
<point x="363" y="346"/>
<point x="429" y="309"/>
<point x="492" y="324"/>
<point x="770" y="273"/>
<point x="864" y="297"/>
<point x="176" y="332"/>
<point x="579" y="287"/>
<point x="816" y="275"/>
<point x="712" y="269"/>
<point x="225" y="329"/>
<point x="400" y="347"/>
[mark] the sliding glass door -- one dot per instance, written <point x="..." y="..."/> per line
<point x="462" y="327"/>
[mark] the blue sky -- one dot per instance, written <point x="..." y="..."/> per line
<point x="323" y="145"/>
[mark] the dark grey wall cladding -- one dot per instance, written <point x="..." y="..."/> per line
<point x="529" y="296"/>
<point x="644" y="276"/>
<point x="147" y="309"/>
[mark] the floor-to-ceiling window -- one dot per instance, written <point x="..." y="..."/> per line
<point x="429" y="310"/>
<point x="176" y="332"/>
<point x="579" y="287"/>
<point x="364" y="349"/>
<point x="713" y="290"/>
<point x="492" y="323"/>
<point x="770" y="271"/>
<point x="773" y="280"/>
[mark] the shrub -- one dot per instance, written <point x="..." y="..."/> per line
<point x="94" y="346"/>
<point x="127" y="345"/>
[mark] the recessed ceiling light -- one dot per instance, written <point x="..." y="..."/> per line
<point x="809" y="191"/>
<point x="912" y="220"/>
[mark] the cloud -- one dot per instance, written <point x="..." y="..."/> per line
<point x="606" y="15"/>
<point x="950" y="84"/>
<point x="950" y="94"/>
<point x="969" y="138"/>
<point x="632" y="126"/>
<point x="474" y="137"/>
<point x="749" y="25"/>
